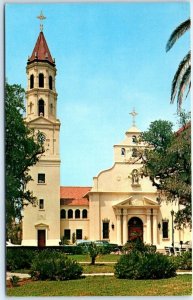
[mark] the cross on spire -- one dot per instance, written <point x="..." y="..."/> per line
<point x="41" y="17"/>
<point x="134" y="114"/>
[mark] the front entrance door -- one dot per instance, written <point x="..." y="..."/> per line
<point x="135" y="229"/>
<point x="41" y="238"/>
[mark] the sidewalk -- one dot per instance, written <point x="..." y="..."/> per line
<point x="9" y="274"/>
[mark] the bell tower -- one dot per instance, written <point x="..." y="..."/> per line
<point x="41" y="222"/>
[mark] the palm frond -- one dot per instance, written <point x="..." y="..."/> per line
<point x="177" y="33"/>
<point x="183" y="85"/>
<point x="185" y="63"/>
<point x="188" y="91"/>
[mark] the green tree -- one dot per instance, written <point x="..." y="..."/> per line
<point x="182" y="78"/>
<point x="167" y="162"/>
<point x="93" y="251"/>
<point x="21" y="152"/>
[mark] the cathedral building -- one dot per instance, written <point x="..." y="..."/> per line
<point x="120" y="206"/>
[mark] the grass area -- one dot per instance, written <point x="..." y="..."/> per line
<point x="100" y="258"/>
<point x="106" y="286"/>
<point x="98" y="268"/>
<point x="87" y="269"/>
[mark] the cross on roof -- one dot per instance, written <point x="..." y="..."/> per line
<point x="41" y="17"/>
<point x="134" y="114"/>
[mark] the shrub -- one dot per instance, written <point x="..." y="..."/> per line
<point x="138" y="245"/>
<point x="73" y="238"/>
<point x="183" y="261"/>
<point x="144" y="265"/>
<point x="19" y="258"/>
<point x="14" y="280"/>
<point x="54" y="266"/>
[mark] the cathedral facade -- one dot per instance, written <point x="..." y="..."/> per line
<point x="120" y="206"/>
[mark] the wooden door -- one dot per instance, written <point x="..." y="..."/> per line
<point x="135" y="229"/>
<point x="41" y="238"/>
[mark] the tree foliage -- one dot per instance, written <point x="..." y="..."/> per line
<point x="21" y="152"/>
<point x="167" y="161"/>
<point x="182" y="78"/>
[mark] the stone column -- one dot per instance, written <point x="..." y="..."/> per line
<point x="118" y="226"/>
<point x="46" y="79"/>
<point x="155" y="229"/>
<point x="148" y="229"/>
<point x="145" y="233"/>
<point x="125" y="226"/>
<point x="36" y="78"/>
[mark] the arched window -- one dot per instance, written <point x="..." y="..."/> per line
<point x="41" y="107"/>
<point x="50" y="82"/>
<point x="77" y="214"/>
<point x="41" y="80"/>
<point x="63" y="214"/>
<point x="134" y="152"/>
<point x="32" y="81"/>
<point x="134" y="139"/>
<point x="70" y="214"/>
<point x="122" y="151"/>
<point x="84" y="214"/>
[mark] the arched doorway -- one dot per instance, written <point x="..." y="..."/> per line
<point x="135" y="229"/>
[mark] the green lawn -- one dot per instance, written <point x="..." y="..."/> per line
<point x="98" y="268"/>
<point x="100" y="258"/>
<point x="106" y="286"/>
<point x="87" y="268"/>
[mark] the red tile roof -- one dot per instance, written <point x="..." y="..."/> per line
<point x="74" y="195"/>
<point x="183" y="128"/>
<point x="41" y="51"/>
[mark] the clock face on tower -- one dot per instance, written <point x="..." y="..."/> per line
<point x="41" y="137"/>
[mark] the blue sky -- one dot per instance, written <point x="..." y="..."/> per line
<point x="110" y="57"/>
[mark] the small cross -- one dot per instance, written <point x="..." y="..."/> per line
<point x="134" y="114"/>
<point x="41" y="17"/>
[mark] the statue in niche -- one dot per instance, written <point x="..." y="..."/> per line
<point x="135" y="177"/>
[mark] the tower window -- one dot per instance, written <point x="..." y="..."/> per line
<point x="41" y="204"/>
<point x="41" y="107"/>
<point x="134" y="139"/>
<point x="32" y="81"/>
<point x="41" y="178"/>
<point x="70" y="214"/>
<point x="63" y="214"/>
<point x="77" y="214"/>
<point x="50" y="82"/>
<point x="84" y="214"/>
<point x="41" y="80"/>
<point x="122" y="151"/>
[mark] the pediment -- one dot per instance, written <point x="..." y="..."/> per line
<point x="41" y="225"/>
<point x="41" y="121"/>
<point x="134" y="201"/>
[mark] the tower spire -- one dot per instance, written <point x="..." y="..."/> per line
<point x="133" y="114"/>
<point x="41" y="17"/>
